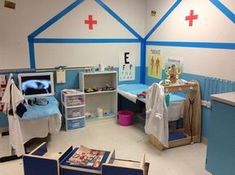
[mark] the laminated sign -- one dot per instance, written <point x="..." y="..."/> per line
<point x="155" y="63"/>
<point x="126" y="67"/>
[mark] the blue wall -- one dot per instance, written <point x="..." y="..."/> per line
<point x="215" y="86"/>
<point x="72" y="82"/>
<point x="72" y="75"/>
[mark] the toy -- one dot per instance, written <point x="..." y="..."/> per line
<point x="173" y="73"/>
<point x="88" y="90"/>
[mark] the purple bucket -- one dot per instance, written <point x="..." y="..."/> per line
<point x="125" y="118"/>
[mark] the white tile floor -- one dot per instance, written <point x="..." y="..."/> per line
<point x="130" y="143"/>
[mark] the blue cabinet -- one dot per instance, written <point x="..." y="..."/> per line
<point x="221" y="139"/>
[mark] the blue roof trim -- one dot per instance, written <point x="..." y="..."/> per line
<point x="163" y="19"/>
<point x="56" y="18"/>
<point x="193" y="44"/>
<point x="31" y="53"/>
<point x="74" y="40"/>
<point x="143" y="62"/>
<point x="120" y="20"/>
<point x="224" y="10"/>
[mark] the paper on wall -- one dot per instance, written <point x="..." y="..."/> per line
<point x="155" y="63"/>
<point x="126" y="66"/>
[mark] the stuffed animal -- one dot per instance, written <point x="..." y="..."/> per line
<point x="173" y="72"/>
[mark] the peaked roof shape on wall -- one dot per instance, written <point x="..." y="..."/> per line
<point x="152" y="17"/>
<point x="130" y="35"/>
<point x="54" y="19"/>
<point x="187" y="36"/>
<point x="164" y="17"/>
<point x="225" y="10"/>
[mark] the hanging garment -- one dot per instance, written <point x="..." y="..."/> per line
<point x="7" y="96"/>
<point x="11" y="99"/>
<point x="156" y="114"/>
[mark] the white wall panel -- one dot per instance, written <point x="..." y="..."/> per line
<point x="206" y="62"/>
<point x="161" y="7"/>
<point x="29" y="15"/>
<point x="211" y="26"/>
<point x="131" y="11"/>
<point x="49" y="55"/>
<point x="17" y="24"/>
<point x="72" y="24"/>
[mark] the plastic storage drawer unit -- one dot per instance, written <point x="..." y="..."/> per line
<point x="72" y="97"/>
<point x="75" y="123"/>
<point x="74" y="112"/>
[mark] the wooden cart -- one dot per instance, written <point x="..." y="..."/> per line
<point x="192" y="115"/>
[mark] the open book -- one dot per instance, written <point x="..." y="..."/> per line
<point x="86" y="157"/>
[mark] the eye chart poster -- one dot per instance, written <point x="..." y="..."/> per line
<point x="126" y="66"/>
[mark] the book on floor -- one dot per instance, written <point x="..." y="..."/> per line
<point x="86" y="157"/>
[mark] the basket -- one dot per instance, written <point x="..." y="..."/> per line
<point x="125" y="118"/>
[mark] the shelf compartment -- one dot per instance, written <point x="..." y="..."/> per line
<point x="105" y="101"/>
<point x="100" y="92"/>
<point x="98" y="80"/>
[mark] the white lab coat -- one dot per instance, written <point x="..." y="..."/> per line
<point x="156" y="114"/>
<point x="15" y="136"/>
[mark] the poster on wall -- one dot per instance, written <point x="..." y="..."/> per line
<point x="173" y="69"/>
<point x="155" y="63"/>
<point x="126" y="66"/>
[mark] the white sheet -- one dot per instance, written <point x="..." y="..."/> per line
<point x="128" y="95"/>
<point x="40" y="128"/>
<point x="156" y="114"/>
<point x="12" y="97"/>
<point x="21" y="131"/>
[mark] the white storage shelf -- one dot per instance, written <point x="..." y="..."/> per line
<point x="101" y="92"/>
<point x="104" y="94"/>
<point x="73" y="106"/>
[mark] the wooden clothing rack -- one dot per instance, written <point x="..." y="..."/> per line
<point x="192" y="115"/>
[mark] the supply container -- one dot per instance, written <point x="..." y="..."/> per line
<point x="100" y="112"/>
<point x="125" y="117"/>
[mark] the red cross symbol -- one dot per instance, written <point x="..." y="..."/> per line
<point x="90" y="22"/>
<point x="191" y="17"/>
